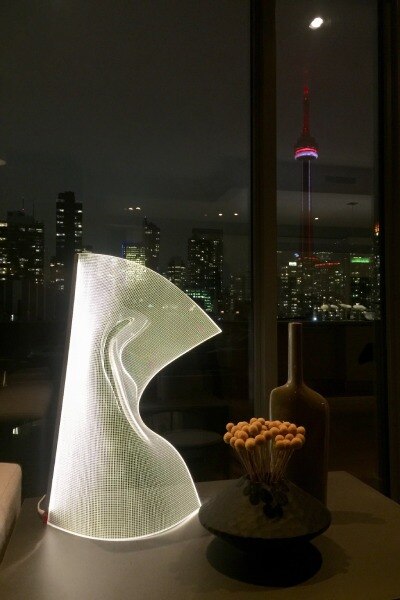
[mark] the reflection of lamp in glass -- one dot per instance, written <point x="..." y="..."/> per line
<point x="113" y="477"/>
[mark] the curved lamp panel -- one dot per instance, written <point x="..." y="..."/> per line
<point x="113" y="477"/>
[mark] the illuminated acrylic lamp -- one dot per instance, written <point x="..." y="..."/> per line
<point x="113" y="477"/>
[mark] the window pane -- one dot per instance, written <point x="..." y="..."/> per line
<point x="328" y="244"/>
<point x="125" y="130"/>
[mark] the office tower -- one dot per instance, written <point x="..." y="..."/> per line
<point x="375" y="274"/>
<point x="22" y="262"/>
<point x="55" y="296"/>
<point x="205" y="261"/>
<point x="176" y="272"/>
<point x="289" y="290"/>
<point x="202" y="298"/>
<point x="151" y="240"/>
<point x="4" y="315"/>
<point x="25" y="246"/>
<point x="238" y="295"/>
<point x="305" y="151"/>
<point x="329" y="281"/>
<point x="68" y="234"/>
<point x="134" y="251"/>
<point x="3" y="251"/>
<point x="56" y="274"/>
<point x="361" y="282"/>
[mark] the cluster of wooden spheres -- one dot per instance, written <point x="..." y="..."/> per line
<point x="265" y="447"/>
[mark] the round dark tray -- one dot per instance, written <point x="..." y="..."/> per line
<point x="255" y="516"/>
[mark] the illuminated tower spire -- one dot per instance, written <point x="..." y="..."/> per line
<point x="306" y="150"/>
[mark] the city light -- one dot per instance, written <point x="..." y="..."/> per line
<point x="235" y="214"/>
<point x="339" y="284"/>
<point x="316" y="218"/>
<point x="220" y="214"/>
<point x="316" y="23"/>
<point x="360" y="259"/>
<point x="138" y="208"/>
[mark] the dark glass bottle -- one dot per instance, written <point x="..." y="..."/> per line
<point x="296" y="402"/>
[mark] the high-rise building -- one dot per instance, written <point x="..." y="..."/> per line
<point x="328" y="290"/>
<point x="205" y="263"/>
<point x="56" y="300"/>
<point x="329" y="281"/>
<point x="68" y="234"/>
<point x="3" y="251"/>
<point x="202" y="298"/>
<point x="22" y="262"/>
<point x="375" y="274"/>
<point x="56" y="274"/>
<point x="134" y="251"/>
<point x="176" y="272"/>
<point x="361" y="283"/>
<point x="25" y="247"/>
<point x="289" y="289"/>
<point x="238" y="296"/>
<point x="151" y="240"/>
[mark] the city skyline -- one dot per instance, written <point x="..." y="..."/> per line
<point x="88" y="116"/>
<point x="343" y="282"/>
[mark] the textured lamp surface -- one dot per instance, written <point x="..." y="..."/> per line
<point x="113" y="477"/>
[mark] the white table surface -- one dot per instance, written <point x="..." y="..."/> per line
<point x="360" y="559"/>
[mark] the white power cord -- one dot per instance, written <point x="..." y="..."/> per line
<point x="41" y="512"/>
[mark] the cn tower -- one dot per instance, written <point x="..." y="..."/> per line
<point x="306" y="150"/>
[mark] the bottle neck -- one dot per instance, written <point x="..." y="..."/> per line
<point x="295" y="353"/>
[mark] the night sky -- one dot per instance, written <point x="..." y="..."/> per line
<point x="147" y="103"/>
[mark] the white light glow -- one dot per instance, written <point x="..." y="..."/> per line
<point x="316" y="23"/>
<point x="113" y="477"/>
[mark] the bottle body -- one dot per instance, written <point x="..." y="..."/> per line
<point x="296" y="402"/>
